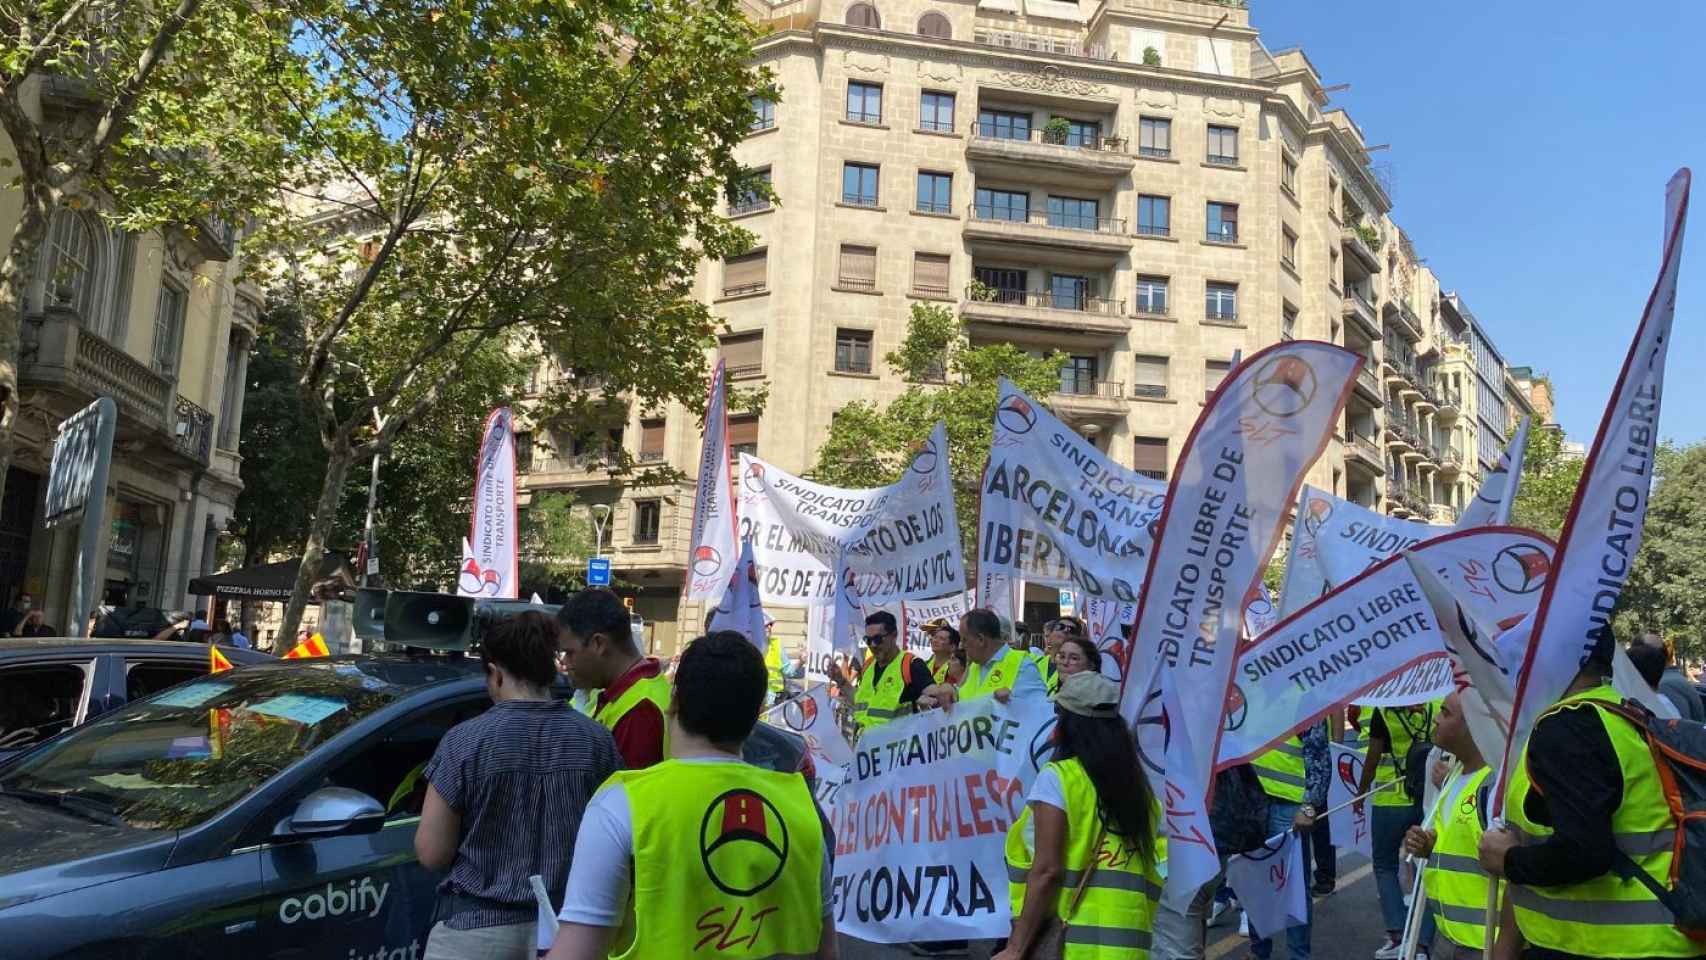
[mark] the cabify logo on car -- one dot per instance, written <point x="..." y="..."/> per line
<point x="359" y="896"/>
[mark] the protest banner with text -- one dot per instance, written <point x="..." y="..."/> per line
<point x="714" y="548"/>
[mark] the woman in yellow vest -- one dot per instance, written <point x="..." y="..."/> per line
<point x="1083" y="854"/>
<point x="1392" y="732"/>
<point x="945" y="665"/>
<point x="1456" y="885"/>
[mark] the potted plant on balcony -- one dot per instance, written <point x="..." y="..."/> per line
<point x="1151" y="57"/>
<point x="1056" y="130"/>
<point x="1369" y="236"/>
<point x="980" y="292"/>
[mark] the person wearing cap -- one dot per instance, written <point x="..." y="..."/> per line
<point x="1084" y="852"/>
<point x="893" y="679"/>
<point x="944" y="645"/>
<point x="993" y="668"/>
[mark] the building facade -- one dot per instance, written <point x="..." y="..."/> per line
<point x="157" y="322"/>
<point x="1139" y="184"/>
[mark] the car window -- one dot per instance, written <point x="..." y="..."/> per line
<point x="39" y="700"/>
<point x="146" y="679"/>
<point x="389" y="770"/>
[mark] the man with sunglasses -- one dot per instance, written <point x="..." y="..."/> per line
<point x="893" y="678"/>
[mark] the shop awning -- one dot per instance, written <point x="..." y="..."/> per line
<point x="268" y="581"/>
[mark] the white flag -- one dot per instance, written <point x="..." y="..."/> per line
<point x="713" y="550"/>
<point x="812" y="716"/>
<point x="1351" y="827"/>
<point x="1493" y="502"/>
<point x="1235" y="481"/>
<point x="1109" y="623"/>
<point x="740" y="608"/>
<point x="1260" y="612"/>
<point x="1602" y="531"/>
<point x="489" y="553"/>
<point x="1479" y="668"/>
<point x="1271" y="885"/>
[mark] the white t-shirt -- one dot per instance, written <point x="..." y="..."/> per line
<point x="602" y="873"/>
<point x="1045" y="789"/>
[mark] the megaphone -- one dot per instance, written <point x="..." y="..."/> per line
<point x="370" y="613"/>
<point x="433" y="621"/>
<point x="494" y="610"/>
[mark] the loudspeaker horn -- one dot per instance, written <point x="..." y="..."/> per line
<point x="370" y="613"/>
<point x="433" y="621"/>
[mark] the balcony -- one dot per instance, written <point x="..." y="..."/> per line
<point x="1449" y="403"/>
<point x="1402" y="318"/>
<point x="1070" y="238"/>
<point x="192" y="431"/>
<point x="1360" y="249"/>
<point x="1398" y="436"/>
<point x="578" y="469"/>
<point x="1450" y="461"/>
<point x="1364" y="452"/>
<point x="1368" y="385"/>
<point x="1442" y="513"/>
<point x="1044" y="310"/>
<point x="1357" y="308"/>
<point x="1041" y="43"/>
<point x="1014" y="157"/>
<point x="1080" y="400"/>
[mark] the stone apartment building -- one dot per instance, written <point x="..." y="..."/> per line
<point x="157" y="322"/>
<point x="1139" y="184"/>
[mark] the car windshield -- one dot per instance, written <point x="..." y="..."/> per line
<point x="172" y="761"/>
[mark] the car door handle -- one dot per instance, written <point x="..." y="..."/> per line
<point x="243" y="927"/>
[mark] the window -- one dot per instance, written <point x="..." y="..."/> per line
<point x="751" y="196"/>
<point x="1333" y="196"/>
<point x="930" y="273"/>
<point x="859" y="184"/>
<point x="864" y="15"/>
<point x="1223" y="302"/>
<point x="1069" y="292"/>
<point x="852" y="351"/>
<point x="763" y="113"/>
<point x="864" y="102"/>
<point x="1072" y="213"/>
<point x="1083" y="133"/>
<point x="1149" y="378"/>
<point x="745" y="273"/>
<point x="648" y="517"/>
<point x="1154" y="216"/>
<point x="1002" y="205"/>
<point x="1004" y="124"/>
<point x="743" y="355"/>
<point x="524" y="450"/>
<point x="168" y="327"/>
<point x="1288" y="174"/>
<point x="1009" y="285"/>
<point x="1288" y="247"/>
<point x="935" y="25"/>
<point x="1288" y="322"/>
<point x="231" y="397"/>
<point x="936" y="112"/>
<point x="43" y="700"/>
<point x="858" y="268"/>
<point x="743" y="436"/>
<point x="1149" y="457"/>
<point x="1333" y="266"/>
<point x="1214" y="371"/>
<point x="1152" y="295"/>
<point x="935" y="192"/>
<point x="147" y="679"/>
<point x="69" y="264"/>
<point x="651" y="439"/>
<point x="1223" y="145"/>
<point x="1078" y="376"/>
<point x="1155" y="137"/>
<point x="1222" y="222"/>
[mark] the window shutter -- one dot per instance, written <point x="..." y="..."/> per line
<point x="651" y="437"/>
<point x="745" y="273"/>
<point x="1151" y="372"/>
<point x="1149" y="456"/>
<point x="743" y="429"/>
<point x="743" y="352"/>
<point x="858" y="267"/>
<point x="930" y="273"/>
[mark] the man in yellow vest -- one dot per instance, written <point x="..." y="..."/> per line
<point x="1455" y="883"/>
<point x="1391" y="734"/>
<point x="993" y="669"/>
<point x="1294" y="776"/>
<point x="893" y="678"/>
<point x="1586" y="789"/>
<point x="598" y="644"/>
<point x="701" y="855"/>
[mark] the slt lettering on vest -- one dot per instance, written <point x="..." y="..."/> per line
<point x="1404" y="728"/>
<point x="1607" y="916"/>
<point x="653" y="690"/>
<point x="1000" y="674"/>
<point x="728" y="862"/>
<point x="877" y="701"/>
<point x="1455" y="883"/>
<point x="1114" y="918"/>
<point x="1282" y="771"/>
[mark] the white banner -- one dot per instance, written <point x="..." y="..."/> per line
<point x="1350" y="826"/>
<point x="1493" y="502"/>
<point x="1109" y="623"/>
<point x="1271" y="884"/>
<point x="1602" y="531"/>
<point x="812" y="716"/>
<point x="714" y="547"/>
<point x="1234" y="484"/>
<point x="901" y="541"/>
<point x="1003" y="594"/>
<point x="741" y="609"/>
<point x="489" y="553"/>
<point x="1055" y="510"/>
<point x="826" y="639"/>
<point x="921" y="826"/>
<point x="1375" y="640"/>
<point x="920" y="612"/>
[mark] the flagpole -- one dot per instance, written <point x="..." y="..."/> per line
<point x="1358" y="799"/>
<point x="1418" y="910"/>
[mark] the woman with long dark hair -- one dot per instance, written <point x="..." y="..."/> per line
<point x="1077" y="654"/>
<point x="1081" y="859"/>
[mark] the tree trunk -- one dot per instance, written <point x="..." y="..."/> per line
<point x="325" y="516"/>
<point x="15" y="273"/>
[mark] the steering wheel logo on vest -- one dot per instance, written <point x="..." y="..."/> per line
<point x="743" y="842"/>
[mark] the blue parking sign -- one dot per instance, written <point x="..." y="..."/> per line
<point x="598" y="572"/>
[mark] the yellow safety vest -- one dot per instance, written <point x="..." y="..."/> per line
<point x="1455" y="883"/>
<point x="1045" y="669"/>
<point x="1002" y="672"/>
<point x="728" y="860"/>
<point x="654" y="690"/>
<point x="585" y="702"/>
<point x="1607" y="916"/>
<point x="939" y="671"/>
<point x="1400" y="742"/>
<point x="773" y="664"/>
<point x="1117" y="912"/>
<point x="1281" y="771"/>
<point x="877" y="701"/>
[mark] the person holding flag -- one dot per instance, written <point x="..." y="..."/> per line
<point x="1294" y="776"/>
<point x="1450" y="841"/>
<point x="1397" y="739"/>
<point x="887" y="688"/>
<point x="633" y="692"/>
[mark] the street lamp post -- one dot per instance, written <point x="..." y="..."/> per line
<point x="600" y="515"/>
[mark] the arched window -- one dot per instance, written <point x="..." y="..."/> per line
<point x="69" y="263"/>
<point x="935" y="25"/>
<point x="864" y="15"/>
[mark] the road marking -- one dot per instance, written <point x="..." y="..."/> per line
<point x="1225" y="945"/>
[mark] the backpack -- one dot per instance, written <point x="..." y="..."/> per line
<point x="1414" y="768"/>
<point x="1679" y="753"/>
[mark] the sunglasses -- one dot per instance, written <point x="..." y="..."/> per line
<point x="873" y="641"/>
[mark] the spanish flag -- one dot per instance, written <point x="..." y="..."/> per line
<point x="216" y="661"/>
<point x="314" y="646"/>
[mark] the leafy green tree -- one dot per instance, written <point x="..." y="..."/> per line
<point x="153" y="115"/>
<point x="557" y="536"/>
<point x="1666" y="591"/>
<point x="948" y="379"/>
<point x="283" y="460"/>
<point x="558" y="169"/>
<point x="1548" y="483"/>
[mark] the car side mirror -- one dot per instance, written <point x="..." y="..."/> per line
<point x="334" y="811"/>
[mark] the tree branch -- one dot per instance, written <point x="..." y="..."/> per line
<point x="113" y="122"/>
<point x="395" y="423"/>
<point x="45" y="45"/>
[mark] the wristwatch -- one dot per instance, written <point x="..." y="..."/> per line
<point x="1307" y="810"/>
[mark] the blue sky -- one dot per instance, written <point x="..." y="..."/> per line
<point x="1530" y="148"/>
